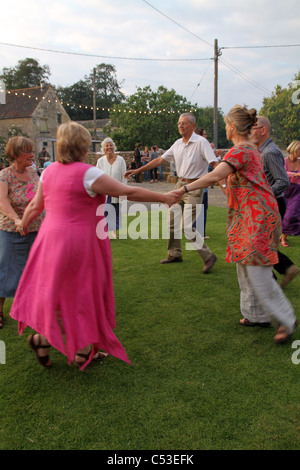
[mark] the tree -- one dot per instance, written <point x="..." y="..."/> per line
<point x="78" y="98"/>
<point x="27" y="73"/>
<point x="205" y="119"/>
<point x="108" y="89"/>
<point x="13" y="131"/>
<point x="151" y="117"/>
<point x="283" y="111"/>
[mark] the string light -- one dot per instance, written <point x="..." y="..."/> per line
<point x="83" y="106"/>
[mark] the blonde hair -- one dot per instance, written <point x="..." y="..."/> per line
<point x="293" y="147"/>
<point x="105" y="141"/>
<point x="73" y="142"/>
<point x="242" y="118"/>
<point x="17" y="145"/>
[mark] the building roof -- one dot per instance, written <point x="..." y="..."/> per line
<point x="23" y="102"/>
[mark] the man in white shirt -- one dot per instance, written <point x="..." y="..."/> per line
<point x="191" y="154"/>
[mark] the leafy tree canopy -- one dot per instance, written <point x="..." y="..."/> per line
<point x="151" y="117"/>
<point x="283" y="111"/>
<point x="27" y="73"/>
<point x="78" y="98"/>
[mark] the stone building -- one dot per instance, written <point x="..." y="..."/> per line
<point x="37" y="112"/>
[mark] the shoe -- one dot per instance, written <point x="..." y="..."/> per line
<point x="209" y="264"/>
<point x="290" y="273"/>
<point x="171" y="259"/>
<point x="1" y="320"/>
<point x="100" y="356"/>
<point x="43" y="360"/>
<point x="246" y="322"/>
<point x="85" y="358"/>
<point x="282" y="336"/>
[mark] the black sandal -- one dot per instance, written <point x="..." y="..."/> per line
<point x="100" y="356"/>
<point x="1" y="320"/>
<point x="86" y="357"/>
<point x="43" y="360"/>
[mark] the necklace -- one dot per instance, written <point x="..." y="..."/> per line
<point x="19" y="171"/>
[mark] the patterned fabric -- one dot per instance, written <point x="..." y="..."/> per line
<point x="19" y="196"/>
<point x="254" y="224"/>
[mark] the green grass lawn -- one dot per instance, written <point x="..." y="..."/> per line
<point x="199" y="380"/>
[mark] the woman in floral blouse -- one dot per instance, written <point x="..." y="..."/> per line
<point x="253" y="228"/>
<point x="18" y="185"/>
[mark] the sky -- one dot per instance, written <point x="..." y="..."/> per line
<point x="161" y="42"/>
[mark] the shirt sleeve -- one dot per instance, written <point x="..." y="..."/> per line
<point x="123" y="170"/>
<point x="275" y="172"/>
<point x="235" y="158"/>
<point x="90" y="176"/>
<point x="208" y="152"/>
<point x="169" y="154"/>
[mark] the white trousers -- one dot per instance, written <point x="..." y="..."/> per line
<point x="262" y="299"/>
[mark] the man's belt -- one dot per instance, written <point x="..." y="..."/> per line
<point x="186" y="180"/>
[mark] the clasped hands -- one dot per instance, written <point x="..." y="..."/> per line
<point x="19" y="227"/>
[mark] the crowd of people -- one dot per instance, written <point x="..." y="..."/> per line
<point x="142" y="158"/>
<point x="72" y="309"/>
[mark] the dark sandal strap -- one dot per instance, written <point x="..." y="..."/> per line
<point x="43" y="360"/>
<point x="84" y="356"/>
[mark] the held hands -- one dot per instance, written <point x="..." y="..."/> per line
<point x="172" y="197"/>
<point x="19" y="227"/>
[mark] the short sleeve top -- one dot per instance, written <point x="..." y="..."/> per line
<point x="254" y="224"/>
<point x="19" y="195"/>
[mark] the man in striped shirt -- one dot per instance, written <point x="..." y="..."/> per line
<point x="273" y="163"/>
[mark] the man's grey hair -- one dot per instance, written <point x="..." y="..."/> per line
<point x="263" y="121"/>
<point x="190" y="116"/>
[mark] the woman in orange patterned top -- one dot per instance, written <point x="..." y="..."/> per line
<point x="253" y="228"/>
<point x="18" y="185"/>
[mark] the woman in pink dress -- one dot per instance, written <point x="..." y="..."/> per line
<point x="66" y="290"/>
<point x="291" y="220"/>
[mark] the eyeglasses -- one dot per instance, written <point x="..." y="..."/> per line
<point x="254" y="128"/>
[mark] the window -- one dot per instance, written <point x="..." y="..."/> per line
<point x="44" y="125"/>
<point x="59" y="119"/>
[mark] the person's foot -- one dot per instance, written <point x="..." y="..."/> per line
<point x="246" y="322"/>
<point x="209" y="264"/>
<point x="41" y="348"/>
<point x="100" y="356"/>
<point x="171" y="259"/>
<point x="283" y="335"/>
<point x="289" y="275"/>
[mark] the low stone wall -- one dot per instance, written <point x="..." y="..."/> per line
<point x="128" y="157"/>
